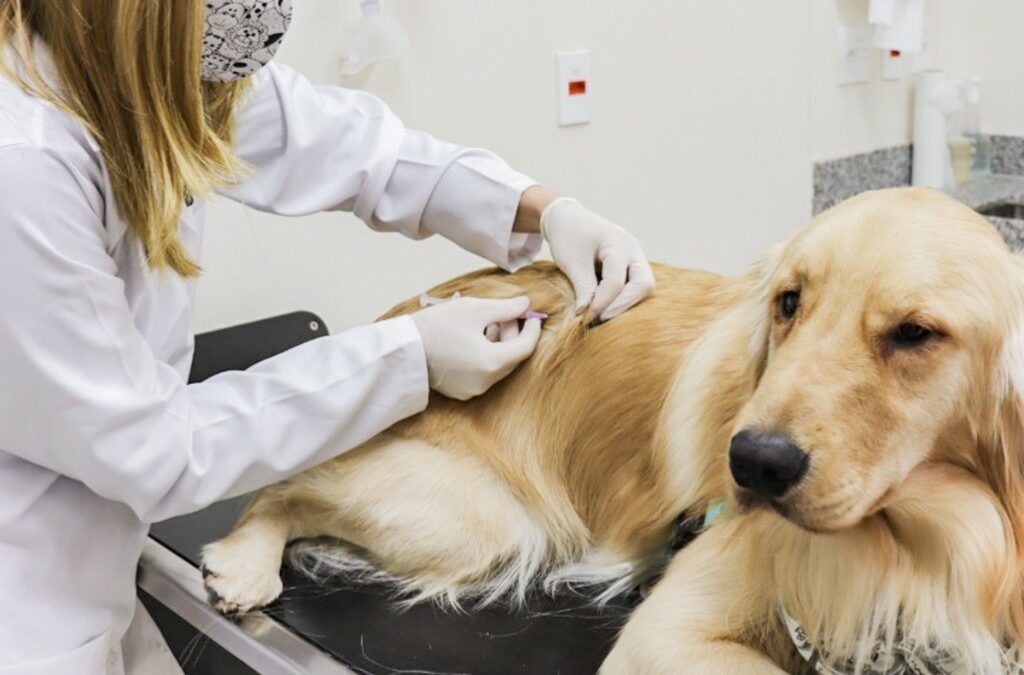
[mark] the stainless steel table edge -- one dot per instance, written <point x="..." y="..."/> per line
<point x="259" y="641"/>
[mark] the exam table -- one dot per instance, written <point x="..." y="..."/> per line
<point x="335" y="627"/>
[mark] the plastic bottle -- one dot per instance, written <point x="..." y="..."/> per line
<point x="981" y="164"/>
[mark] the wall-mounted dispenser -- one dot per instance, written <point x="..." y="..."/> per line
<point x="377" y="36"/>
<point x="899" y="25"/>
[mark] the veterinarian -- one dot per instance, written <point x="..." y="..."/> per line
<point x="116" y="118"/>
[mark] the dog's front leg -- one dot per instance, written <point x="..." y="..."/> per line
<point x="711" y="613"/>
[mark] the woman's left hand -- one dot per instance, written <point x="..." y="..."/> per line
<point x="580" y="241"/>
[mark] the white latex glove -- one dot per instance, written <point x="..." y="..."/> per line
<point x="580" y="239"/>
<point x="472" y="343"/>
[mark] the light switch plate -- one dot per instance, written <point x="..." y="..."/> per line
<point x="855" y="54"/>
<point x="574" y="87"/>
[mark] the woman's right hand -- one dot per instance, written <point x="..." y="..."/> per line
<point x="472" y="343"/>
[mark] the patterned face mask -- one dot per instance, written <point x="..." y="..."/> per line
<point x="242" y="36"/>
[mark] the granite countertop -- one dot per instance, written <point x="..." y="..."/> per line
<point x="993" y="189"/>
<point x="839" y="179"/>
<point x="997" y="189"/>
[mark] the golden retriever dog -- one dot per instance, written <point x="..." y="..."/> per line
<point x="854" y="401"/>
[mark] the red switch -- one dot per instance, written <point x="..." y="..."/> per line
<point x="577" y="87"/>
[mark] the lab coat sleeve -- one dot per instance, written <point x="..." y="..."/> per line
<point x="83" y="395"/>
<point x="314" y="148"/>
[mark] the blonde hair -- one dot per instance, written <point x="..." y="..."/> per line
<point x="129" y="70"/>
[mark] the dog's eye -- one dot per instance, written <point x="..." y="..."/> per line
<point x="789" y="302"/>
<point x="910" y="335"/>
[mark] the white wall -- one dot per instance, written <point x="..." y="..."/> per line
<point x="707" y="118"/>
<point x="997" y="55"/>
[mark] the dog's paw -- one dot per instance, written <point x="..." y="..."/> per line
<point x="237" y="579"/>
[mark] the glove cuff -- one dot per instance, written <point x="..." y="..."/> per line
<point x="545" y="215"/>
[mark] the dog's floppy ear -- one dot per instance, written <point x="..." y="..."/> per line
<point x="1001" y="423"/>
<point x="759" y="307"/>
<point x="1001" y="455"/>
<point x="1000" y="447"/>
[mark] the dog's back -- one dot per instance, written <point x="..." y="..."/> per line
<point x="572" y="431"/>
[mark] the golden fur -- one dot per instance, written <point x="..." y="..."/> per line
<point x="908" y="521"/>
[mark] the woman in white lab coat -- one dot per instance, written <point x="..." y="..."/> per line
<point x="116" y="118"/>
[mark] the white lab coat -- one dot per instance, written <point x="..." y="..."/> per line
<point x="99" y="432"/>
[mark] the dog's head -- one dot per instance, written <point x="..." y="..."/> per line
<point x="891" y="336"/>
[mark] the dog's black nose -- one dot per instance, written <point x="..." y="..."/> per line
<point x="766" y="463"/>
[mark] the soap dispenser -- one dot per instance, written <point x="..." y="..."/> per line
<point x="936" y="101"/>
<point x="981" y="145"/>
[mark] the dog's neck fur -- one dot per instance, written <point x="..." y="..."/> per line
<point x="932" y="567"/>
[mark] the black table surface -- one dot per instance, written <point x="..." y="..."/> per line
<point x="362" y="627"/>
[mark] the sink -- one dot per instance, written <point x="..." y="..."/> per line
<point x="1003" y="210"/>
